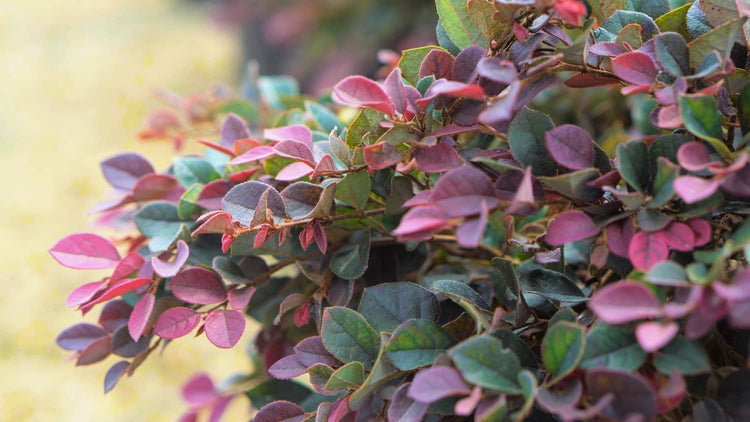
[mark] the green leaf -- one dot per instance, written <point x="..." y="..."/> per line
<point x="511" y="341"/>
<point x="410" y="62"/>
<point x="687" y="356"/>
<point x="670" y="273"/>
<point x="666" y="146"/>
<point x="324" y="117"/>
<point x="611" y="347"/>
<point x="621" y="18"/>
<point x="457" y="291"/>
<point x="276" y="389"/>
<point x="443" y="39"/>
<point x="417" y="343"/>
<point x="274" y="88"/>
<point x="633" y="164"/>
<point x="159" y="219"/>
<point x="350" y="262"/>
<point x="571" y="185"/>
<point x="242" y="108"/>
<point x="347" y="336"/>
<point x="664" y="178"/>
<point x="700" y="114"/>
<point x="551" y="285"/>
<point x="458" y="24"/>
<point x="190" y="170"/>
<point x="382" y="372"/>
<point x="672" y="53"/>
<point x="351" y="375"/>
<point x="483" y="361"/>
<point x="526" y="137"/>
<point x="367" y="121"/>
<point x="562" y="349"/>
<point x="743" y="109"/>
<point x="354" y="189"/>
<point x="721" y="39"/>
<point x="386" y="305"/>
<point x="675" y="21"/>
<point x="186" y="206"/>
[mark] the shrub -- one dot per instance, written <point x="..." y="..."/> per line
<point x="448" y="250"/>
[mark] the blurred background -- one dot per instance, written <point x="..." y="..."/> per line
<point x="76" y="81"/>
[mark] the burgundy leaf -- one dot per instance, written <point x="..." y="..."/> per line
<point x="679" y="236"/>
<point x="570" y="226"/>
<point x="287" y="367"/>
<point x="587" y="80"/>
<point x="240" y="297"/>
<point x="701" y="230"/>
<point x="632" y="394"/>
<point x="653" y="335"/>
<point x="438" y="158"/>
<point x="466" y="62"/>
<point x="465" y="185"/>
<point x="123" y="170"/>
<point x="280" y="411"/>
<point x="113" y="375"/>
<point x="114" y="315"/>
<point x="84" y="293"/>
<point x="469" y="233"/>
<point x="619" y="235"/>
<point x="693" y="156"/>
<point x="403" y="408"/>
<point x="497" y="70"/>
<point x="85" y="251"/>
<point x="294" y="171"/>
<point x="233" y="129"/>
<point x="624" y="302"/>
<point x="380" y="156"/>
<point x="176" y="322"/>
<point x="395" y="89"/>
<point x="199" y="390"/>
<point x="211" y="195"/>
<point x="299" y="133"/>
<point x="96" y="351"/>
<point x="225" y="327"/>
<point x="140" y="316"/>
<point x="451" y="89"/>
<point x="646" y="249"/>
<point x="571" y="147"/>
<point x="79" y="336"/>
<point x="152" y="187"/>
<point x="199" y="286"/>
<point x="169" y="269"/>
<point x="635" y="67"/>
<point x="437" y="63"/>
<point x="127" y="266"/>
<point x="359" y="91"/>
<point x="438" y="382"/>
<point x="693" y="189"/>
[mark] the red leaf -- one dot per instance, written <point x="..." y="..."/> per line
<point x="624" y="302"/>
<point x="280" y="411"/>
<point x="140" y="315"/>
<point x="421" y="223"/>
<point x="117" y="288"/>
<point x="123" y="171"/>
<point x="570" y="226"/>
<point x="618" y="236"/>
<point x="299" y="133"/>
<point x="84" y="293"/>
<point x="469" y="233"/>
<point x="85" y="251"/>
<point x="359" y="91"/>
<point x="570" y="11"/>
<point x="240" y="297"/>
<point x="176" y="322"/>
<point x="571" y="147"/>
<point x="153" y="186"/>
<point x="243" y="176"/>
<point x="671" y="393"/>
<point x="679" y="236"/>
<point x="646" y="249"/>
<point x="169" y="269"/>
<point x="199" y="286"/>
<point x="129" y="265"/>
<point x="635" y="67"/>
<point x="224" y="327"/>
<point x="437" y="63"/>
<point x="295" y="150"/>
<point x="217" y="147"/>
<point x="380" y="156"/>
<point x="302" y="314"/>
<point x="438" y="158"/>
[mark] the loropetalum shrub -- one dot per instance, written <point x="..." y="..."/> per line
<point x="450" y="251"/>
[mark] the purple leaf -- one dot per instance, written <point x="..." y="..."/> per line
<point x="606" y="49"/>
<point x="294" y="171"/>
<point x="287" y="367"/>
<point x="438" y="158"/>
<point x="240" y="297"/>
<point x="438" y="382"/>
<point x="79" y="336"/>
<point x="380" y="156"/>
<point x="311" y="351"/>
<point x="123" y="171"/>
<point x="571" y="147"/>
<point x="693" y="189"/>
<point x="85" y="251"/>
<point x="169" y="269"/>
<point x="114" y="315"/>
<point x="466" y="62"/>
<point x="359" y="91"/>
<point x="280" y="411"/>
<point x="693" y="156"/>
<point x="469" y="233"/>
<point x="241" y="202"/>
<point x="113" y="375"/>
<point x="497" y="70"/>
<point x="549" y="257"/>
<point x="176" y="322"/>
<point x="504" y="107"/>
<point x="646" y="249"/>
<point x="437" y="63"/>
<point x="679" y="236"/>
<point x="632" y="394"/>
<point x="299" y="133"/>
<point x="653" y="335"/>
<point x="403" y="408"/>
<point x="453" y="129"/>
<point x="738" y="183"/>
<point x="619" y="235"/>
<point x="624" y="302"/>
<point x="233" y="129"/>
<point x="225" y="327"/>
<point x="84" y="293"/>
<point x="295" y="150"/>
<point x="125" y="268"/>
<point x="421" y="223"/>
<point x="570" y="226"/>
<point x="212" y="194"/>
<point x="199" y="286"/>
<point x="140" y="315"/>
<point x="394" y="88"/>
<point x="635" y="67"/>
<point x="199" y="390"/>
<point x="96" y="351"/>
<point x="460" y="192"/>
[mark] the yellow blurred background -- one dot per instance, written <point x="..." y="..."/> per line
<point x="75" y="84"/>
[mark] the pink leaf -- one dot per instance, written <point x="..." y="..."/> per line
<point x="668" y="117"/>
<point x="294" y="171"/>
<point x="199" y="286"/>
<point x="504" y="107"/>
<point x="701" y="230"/>
<point x="380" y="156"/>
<point x="618" y="236"/>
<point x="359" y="91"/>
<point x="570" y="226"/>
<point x="394" y="88"/>
<point x="199" y="390"/>
<point x="693" y="156"/>
<point x="653" y="335"/>
<point x="140" y="315"/>
<point x="287" y="367"/>
<point x="118" y="288"/>
<point x="646" y="249"/>
<point x="421" y="223"/>
<point x="311" y="350"/>
<point x="571" y="147"/>
<point x="635" y="67"/>
<point x="240" y="297"/>
<point x="693" y="189"/>
<point x="225" y="327"/>
<point x="295" y="150"/>
<point x="466" y="405"/>
<point x="169" y="269"/>
<point x="127" y="266"/>
<point x="497" y="70"/>
<point x="176" y="322"/>
<point x="679" y="236"/>
<point x="79" y="336"/>
<point x="123" y="171"/>
<point x="606" y="49"/>
<point x="84" y="293"/>
<point x="255" y="154"/>
<point x="470" y="232"/>
<point x="211" y="195"/>
<point x="299" y="133"/>
<point x="438" y="382"/>
<point x="438" y="158"/>
<point x="85" y="251"/>
<point x="624" y="302"/>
